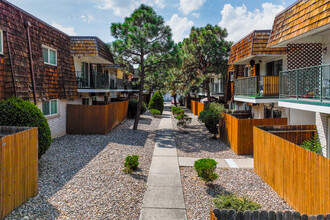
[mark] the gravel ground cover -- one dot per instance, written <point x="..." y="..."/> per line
<point x="242" y="182"/>
<point x="80" y="176"/>
<point x="197" y="142"/>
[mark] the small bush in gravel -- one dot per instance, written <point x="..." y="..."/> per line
<point x="205" y="169"/>
<point x="183" y="120"/>
<point x="154" y="112"/>
<point x="157" y="102"/>
<point x="131" y="163"/>
<point x="132" y="108"/>
<point x="178" y="111"/>
<point x="17" y="112"/>
<point x="237" y="203"/>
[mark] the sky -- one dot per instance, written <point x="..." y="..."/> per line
<point x="94" y="17"/>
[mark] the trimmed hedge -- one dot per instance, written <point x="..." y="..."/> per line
<point x="157" y="102"/>
<point x="17" y="112"/>
<point x="132" y="108"/>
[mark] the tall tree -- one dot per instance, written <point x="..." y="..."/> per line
<point x="143" y="34"/>
<point x="205" y="52"/>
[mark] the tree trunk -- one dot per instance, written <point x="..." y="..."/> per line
<point x="207" y="89"/>
<point x="174" y="97"/>
<point x="138" y="112"/>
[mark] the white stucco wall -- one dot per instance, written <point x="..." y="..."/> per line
<point x="300" y="117"/>
<point x="322" y="129"/>
<point x="57" y="123"/>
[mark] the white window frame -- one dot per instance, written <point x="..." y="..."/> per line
<point x="1" y="41"/>
<point x="50" y="108"/>
<point x="49" y="49"/>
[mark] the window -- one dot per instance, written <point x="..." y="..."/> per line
<point x="247" y="71"/>
<point x="50" y="107"/>
<point x="49" y="55"/>
<point x="85" y="101"/>
<point x="274" y="68"/>
<point x="1" y="42"/>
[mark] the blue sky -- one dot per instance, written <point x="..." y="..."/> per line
<point x="94" y="17"/>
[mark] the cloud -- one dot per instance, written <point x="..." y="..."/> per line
<point x="67" y="30"/>
<point x="239" y="21"/>
<point x="187" y="6"/>
<point x="124" y="8"/>
<point x="87" y="19"/>
<point x="197" y="15"/>
<point x="180" y="27"/>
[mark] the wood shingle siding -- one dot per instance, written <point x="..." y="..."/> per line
<point x="89" y="47"/>
<point x="253" y="44"/>
<point x="300" y="18"/>
<point x="51" y="82"/>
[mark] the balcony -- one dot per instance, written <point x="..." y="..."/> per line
<point x="257" y="89"/>
<point x="90" y="80"/>
<point x="121" y="85"/>
<point x="310" y="85"/>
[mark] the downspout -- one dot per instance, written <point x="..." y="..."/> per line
<point x="11" y="65"/>
<point x="27" y="26"/>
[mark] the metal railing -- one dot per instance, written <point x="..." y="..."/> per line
<point x="92" y="80"/>
<point x="257" y="86"/>
<point x="310" y="83"/>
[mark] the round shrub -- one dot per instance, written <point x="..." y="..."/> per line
<point x="157" y="102"/>
<point x="132" y="108"/>
<point x="155" y="112"/>
<point x="17" y="112"/>
<point x="131" y="163"/>
<point x="205" y="169"/>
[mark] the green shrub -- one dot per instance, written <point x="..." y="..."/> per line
<point x="177" y="111"/>
<point x="205" y="169"/>
<point x="211" y="116"/>
<point x="132" y="108"/>
<point x="157" y="102"/>
<point x="183" y="120"/>
<point x="155" y="112"/>
<point x="202" y="116"/>
<point x="131" y="163"/>
<point x="17" y="112"/>
<point x="313" y="145"/>
<point x="237" y="203"/>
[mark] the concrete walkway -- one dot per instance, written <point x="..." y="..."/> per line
<point x="223" y="163"/>
<point x="163" y="198"/>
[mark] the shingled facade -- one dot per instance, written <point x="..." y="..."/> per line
<point x="24" y="73"/>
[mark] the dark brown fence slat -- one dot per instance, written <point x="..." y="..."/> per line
<point x="95" y="119"/>
<point x="217" y="214"/>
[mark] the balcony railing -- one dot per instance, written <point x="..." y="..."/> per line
<point x="88" y="80"/>
<point x="257" y="86"/>
<point x="310" y="83"/>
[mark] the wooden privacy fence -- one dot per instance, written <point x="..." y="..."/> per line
<point x="196" y="107"/>
<point x="238" y="133"/>
<point x="18" y="167"/>
<point x="299" y="176"/>
<point x="224" y="214"/>
<point x="95" y="119"/>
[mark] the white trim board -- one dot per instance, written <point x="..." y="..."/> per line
<point x="255" y="100"/>
<point x="305" y="107"/>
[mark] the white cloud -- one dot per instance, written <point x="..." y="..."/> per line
<point x="123" y="8"/>
<point x="67" y="30"/>
<point x="239" y="21"/>
<point x="187" y="6"/>
<point x="180" y="27"/>
<point x="87" y="19"/>
<point x="197" y="15"/>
